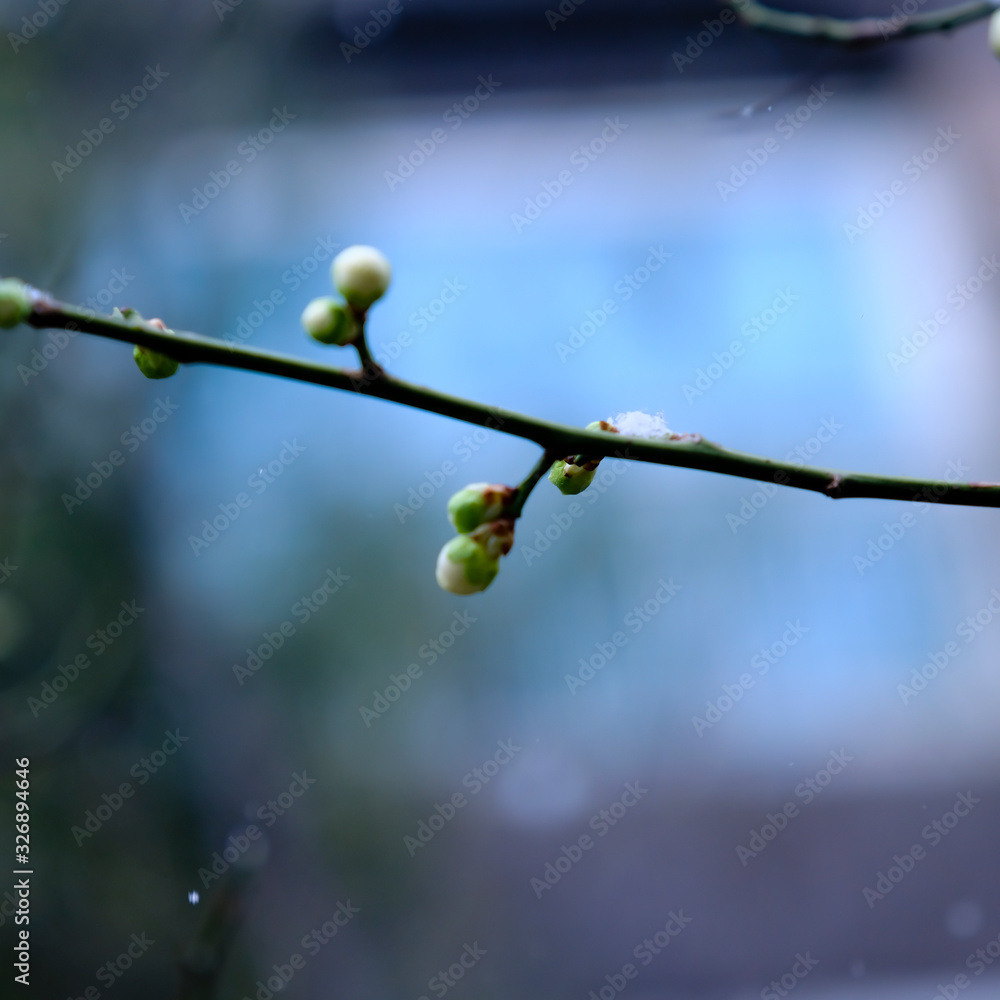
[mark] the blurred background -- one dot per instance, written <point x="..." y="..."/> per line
<point x="687" y="742"/>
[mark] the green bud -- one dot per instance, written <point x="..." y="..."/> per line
<point x="574" y="474"/>
<point x="994" y="33"/>
<point x="468" y="563"/>
<point x="152" y="364"/>
<point x="570" y="479"/>
<point x="465" y="567"/>
<point x="329" y="322"/>
<point x="476" y="504"/>
<point x="15" y="304"/>
<point x="361" y="274"/>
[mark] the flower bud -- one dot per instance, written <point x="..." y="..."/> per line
<point x="601" y="425"/>
<point x="570" y="479"/>
<point x="329" y="322"/>
<point x="361" y="274"/>
<point x="15" y="305"/>
<point x="994" y="33"/>
<point x="478" y="503"/>
<point x="574" y="474"/>
<point x="152" y="364"/>
<point x="468" y="563"/>
<point x="463" y="567"/>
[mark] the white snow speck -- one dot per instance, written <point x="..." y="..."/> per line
<point x="635" y="423"/>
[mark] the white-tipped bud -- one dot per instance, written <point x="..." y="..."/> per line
<point x="361" y="274"/>
<point x="329" y="322"/>
<point x="468" y="563"/>
<point x="464" y="567"/>
<point x="477" y="504"/>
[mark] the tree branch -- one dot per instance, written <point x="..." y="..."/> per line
<point x="864" y="30"/>
<point x="686" y="450"/>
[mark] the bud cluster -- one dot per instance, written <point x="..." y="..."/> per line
<point x="469" y="562"/>
<point x="361" y="274"/>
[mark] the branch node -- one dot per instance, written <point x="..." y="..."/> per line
<point x="832" y="488"/>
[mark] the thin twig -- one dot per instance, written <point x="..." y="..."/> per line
<point x="524" y="490"/>
<point x="687" y="450"/>
<point x="863" y="30"/>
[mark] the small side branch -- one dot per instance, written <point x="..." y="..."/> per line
<point x="859" y="31"/>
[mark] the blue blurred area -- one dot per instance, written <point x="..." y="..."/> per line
<point x="716" y="642"/>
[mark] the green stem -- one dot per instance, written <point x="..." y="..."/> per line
<point x="524" y="490"/>
<point x="369" y="365"/>
<point x="689" y="450"/>
<point x="847" y="31"/>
